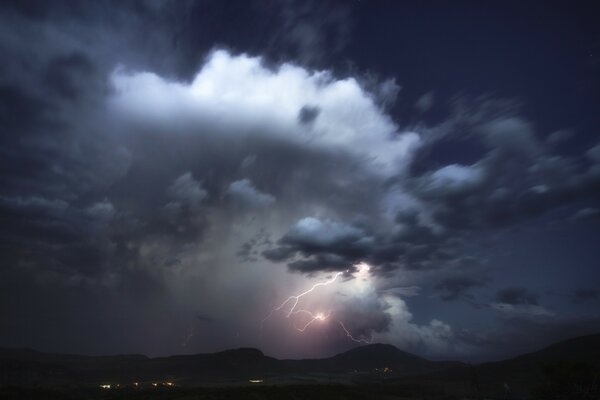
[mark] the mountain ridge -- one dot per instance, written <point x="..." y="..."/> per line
<point x="24" y="366"/>
<point x="22" y="353"/>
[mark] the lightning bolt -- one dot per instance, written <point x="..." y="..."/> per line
<point x="313" y="317"/>
<point x="363" y="341"/>
<point x="293" y="300"/>
<point x="296" y="298"/>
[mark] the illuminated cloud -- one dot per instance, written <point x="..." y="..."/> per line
<point x="238" y="95"/>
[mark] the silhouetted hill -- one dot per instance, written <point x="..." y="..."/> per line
<point x="523" y="375"/>
<point x="29" y="367"/>
<point x="370" y="358"/>
<point x="376" y="355"/>
<point x="583" y="349"/>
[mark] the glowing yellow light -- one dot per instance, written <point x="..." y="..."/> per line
<point x="105" y="386"/>
<point x="313" y="317"/>
<point x="169" y="384"/>
<point x="255" y="381"/>
<point x="154" y="384"/>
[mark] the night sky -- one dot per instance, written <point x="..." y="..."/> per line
<point x="172" y="171"/>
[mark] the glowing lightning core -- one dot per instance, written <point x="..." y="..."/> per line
<point x="361" y="272"/>
<point x="313" y="317"/>
<point x="295" y="299"/>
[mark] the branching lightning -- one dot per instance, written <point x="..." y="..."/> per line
<point x="296" y="298"/>
<point x="312" y="317"/>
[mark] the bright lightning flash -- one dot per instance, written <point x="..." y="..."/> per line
<point x="294" y="302"/>
<point x="312" y="318"/>
<point x="295" y="299"/>
<point x="362" y="272"/>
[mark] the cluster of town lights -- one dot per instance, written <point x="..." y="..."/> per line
<point x="136" y="385"/>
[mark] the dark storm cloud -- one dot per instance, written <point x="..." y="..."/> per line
<point x="185" y="189"/>
<point x="314" y="31"/>
<point x="64" y="235"/>
<point x="86" y="203"/>
<point x="515" y="179"/>
<point x="67" y="75"/>
<point x="308" y="32"/>
<point x="321" y="262"/>
<point x="586" y="215"/>
<point x="278" y="254"/>
<point x="516" y="295"/>
<point x="244" y="194"/>
<point x="205" y="318"/>
<point x="584" y="295"/>
<point x="250" y="250"/>
<point x="73" y="240"/>
<point x="457" y="287"/>
<point x="332" y="244"/>
<point x="311" y="235"/>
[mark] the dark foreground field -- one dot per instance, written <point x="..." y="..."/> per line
<point x="433" y="390"/>
<point x="569" y="370"/>
<point x="300" y="392"/>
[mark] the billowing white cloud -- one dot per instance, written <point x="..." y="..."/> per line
<point x="436" y="337"/>
<point x="237" y="94"/>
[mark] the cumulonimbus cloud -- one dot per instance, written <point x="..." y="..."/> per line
<point x="237" y="94"/>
